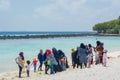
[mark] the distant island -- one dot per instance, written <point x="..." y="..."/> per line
<point x="109" y="27"/>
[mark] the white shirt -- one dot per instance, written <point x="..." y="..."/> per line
<point x="28" y="67"/>
<point x="104" y="56"/>
<point x="96" y="55"/>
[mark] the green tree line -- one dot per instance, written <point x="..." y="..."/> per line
<point x="110" y="27"/>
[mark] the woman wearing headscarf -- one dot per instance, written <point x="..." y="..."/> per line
<point x="100" y="48"/>
<point x="51" y="61"/>
<point x="57" y="68"/>
<point x="82" y="55"/>
<point x="62" y="59"/>
<point x="56" y="55"/>
<point x="20" y="61"/>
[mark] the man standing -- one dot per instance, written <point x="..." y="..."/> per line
<point x="41" y="59"/>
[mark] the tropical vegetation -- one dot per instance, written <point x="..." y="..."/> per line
<point x="110" y="27"/>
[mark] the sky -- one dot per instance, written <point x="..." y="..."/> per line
<point x="56" y="15"/>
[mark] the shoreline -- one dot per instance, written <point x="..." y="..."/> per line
<point x="53" y="36"/>
<point x="113" y="64"/>
<point x="94" y="72"/>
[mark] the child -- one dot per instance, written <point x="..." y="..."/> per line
<point x="72" y="55"/>
<point x="90" y="52"/>
<point x="63" y="60"/>
<point x="34" y="64"/>
<point x="104" y="58"/>
<point x="89" y="60"/>
<point x="23" y="69"/>
<point x="28" y="67"/>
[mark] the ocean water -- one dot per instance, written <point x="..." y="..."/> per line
<point x="9" y="49"/>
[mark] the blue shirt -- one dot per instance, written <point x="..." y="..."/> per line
<point x="40" y="57"/>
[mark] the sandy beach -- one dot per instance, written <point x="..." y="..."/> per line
<point x="60" y="40"/>
<point x="96" y="72"/>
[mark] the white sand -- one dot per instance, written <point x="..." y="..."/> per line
<point x="114" y="54"/>
<point x="96" y="72"/>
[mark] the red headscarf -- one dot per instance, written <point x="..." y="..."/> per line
<point x="48" y="52"/>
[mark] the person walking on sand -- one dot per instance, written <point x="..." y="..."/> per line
<point x="19" y="60"/>
<point x="82" y="55"/>
<point x="41" y="59"/>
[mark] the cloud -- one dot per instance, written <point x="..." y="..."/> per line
<point x="116" y="3"/>
<point x="59" y="15"/>
<point x="60" y="8"/>
<point x="46" y="10"/>
<point x="75" y="7"/>
<point x="4" y="5"/>
<point x="79" y="13"/>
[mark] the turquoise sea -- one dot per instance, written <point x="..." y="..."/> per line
<point x="9" y="49"/>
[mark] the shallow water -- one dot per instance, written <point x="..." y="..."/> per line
<point x="9" y="49"/>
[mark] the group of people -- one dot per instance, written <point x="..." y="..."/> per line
<point x="56" y="60"/>
<point x="84" y="55"/>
